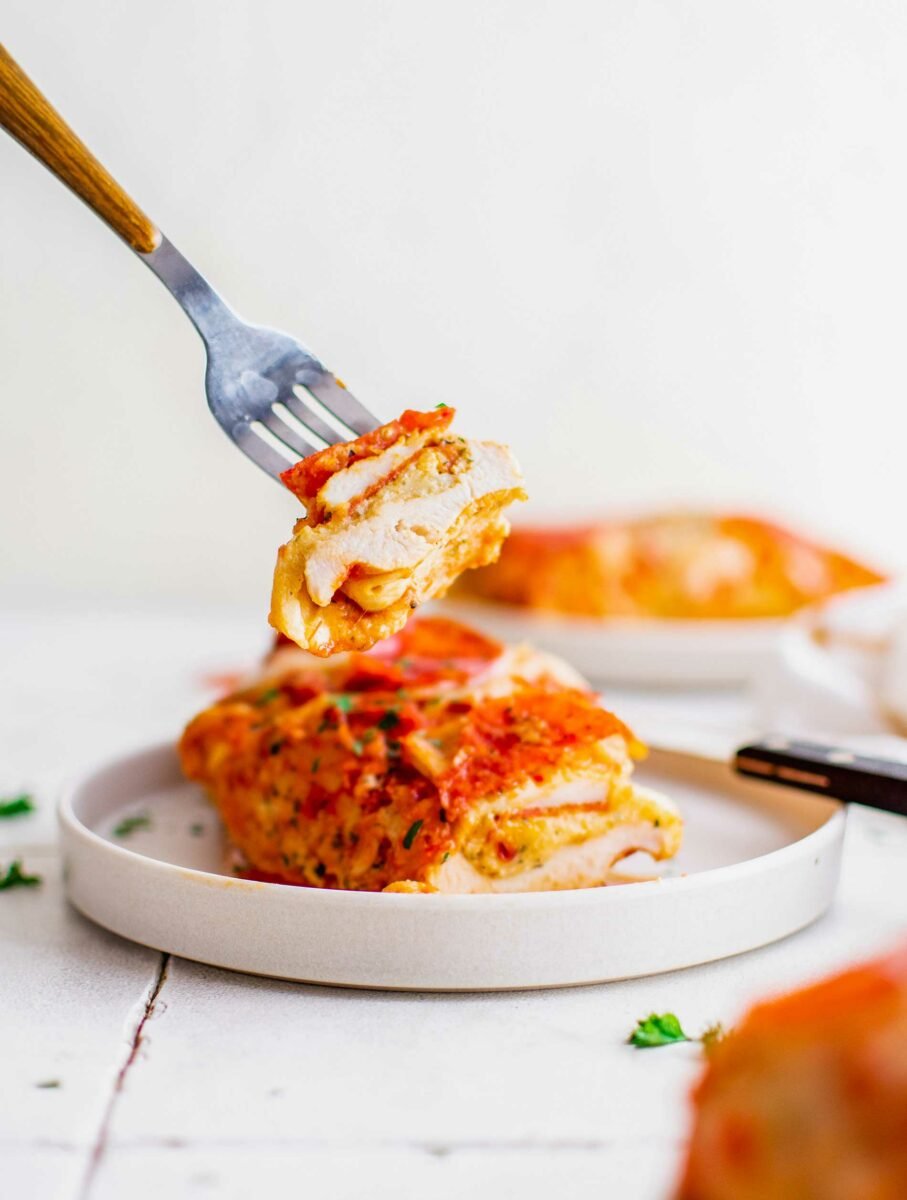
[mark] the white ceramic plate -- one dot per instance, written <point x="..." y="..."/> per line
<point x="760" y="862"/>
<point x="633" y="650"/>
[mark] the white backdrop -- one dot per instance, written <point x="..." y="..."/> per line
<point x="659" y="247"/>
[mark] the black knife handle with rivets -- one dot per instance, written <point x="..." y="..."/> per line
<point x="840" y="774"/>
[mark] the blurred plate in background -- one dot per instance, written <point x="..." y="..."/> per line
<point x="655" y="652"/>
<point x="758" y="862"/>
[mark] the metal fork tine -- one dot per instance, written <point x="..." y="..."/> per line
<point x="263" y="455"/>
<point x="309" y="417"/>
<point x="251" y="369"/>
<point x="287" y="434"/>
<point x="343" y="404"/>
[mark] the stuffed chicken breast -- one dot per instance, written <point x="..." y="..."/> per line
<point x="440" y="760"/>
<point x="392" y="519"/>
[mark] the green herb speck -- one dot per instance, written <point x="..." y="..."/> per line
<point x="49" y="1083"/>
<point x="130" y="824"/>
<point x="411" y="834"/>
<point x="657" y="1030"/>
<point x="268" y="696"/>
<point x="197" y="829"/>
<point x="17" y="805"/>
<point x="344" y="703"/>
<point x="14" y="876"/>
<point x="316" y="763"/>
<point x="390" y="720"/>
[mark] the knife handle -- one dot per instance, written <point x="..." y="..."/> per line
<point x="841" y="774"/>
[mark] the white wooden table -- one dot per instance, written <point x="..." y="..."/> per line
<point x="173" y="1079"/>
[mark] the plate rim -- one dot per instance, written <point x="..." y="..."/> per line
<point x="616" y="623"/>
<point x="830" y="831"/>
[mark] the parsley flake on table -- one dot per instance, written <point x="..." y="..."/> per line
<point x="130" y="824"/>
<point x="49" y="1083"/>
<point x="17" y="805"/>
<point x="411" y="834"/>
<point x="665" y="1030"/>
<point x="713" y="1035"/>
<point x="657" y="1030"/>
<point x="14" y="876"/>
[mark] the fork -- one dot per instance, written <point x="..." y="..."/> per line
<point x="270" y="395"/>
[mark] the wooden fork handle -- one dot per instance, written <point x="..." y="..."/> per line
<point x="27" y="115"/>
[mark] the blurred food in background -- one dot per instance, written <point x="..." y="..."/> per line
<point x="807" y="1098"/>
<point x="666" y="565"/>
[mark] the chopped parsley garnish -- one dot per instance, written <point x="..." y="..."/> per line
<point x="442" y="405"/>
<point x="390" y="720"/>
<point x="344" y="703"/>
<point x="411" y="834"/>
<point x="713" y="1035"/>
<point x="657" y="1030"/>
<point x="665" y="1030"/>
<point x="14" y="876"/>
<point x="357" y="746"/>
<point x="131" y="824"/>
<point x="197" y="829"/>
<point x="268" y="696"/>
<point x="17" y="805"/>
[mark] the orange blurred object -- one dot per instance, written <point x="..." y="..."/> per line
<point x="807" y="1098"/>
<point x="682" y="565"/>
